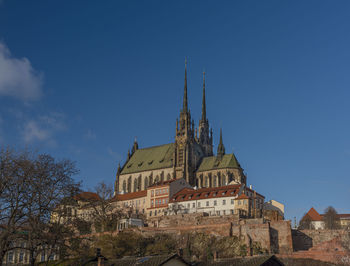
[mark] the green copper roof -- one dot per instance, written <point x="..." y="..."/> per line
<point x="211" y="163"/>
<point x="150" y="159"/>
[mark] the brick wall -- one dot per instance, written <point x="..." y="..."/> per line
<point x="274" y="237"/>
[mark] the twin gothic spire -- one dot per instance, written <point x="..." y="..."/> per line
<point x="205" y="135"/>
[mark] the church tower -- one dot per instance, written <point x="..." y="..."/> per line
<point x="184" y="163"/>
<point x="204" y="139"/>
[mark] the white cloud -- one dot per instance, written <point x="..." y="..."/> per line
<point x="33" y="132"/>
<point x="44" y="128"/>
<point x="17" y="77"/>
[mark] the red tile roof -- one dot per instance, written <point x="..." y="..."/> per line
<point x="205" y="193"/>
<point x="243" y="196"/>
<point x="314" y="215"/>
<point x="130" y="196"/>
<point x="87" y="196"/>
<point x="344" y="216"/>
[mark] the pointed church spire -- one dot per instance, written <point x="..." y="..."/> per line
<point x="119" y="169"/>
<point x="184" y="108"/>
<point x="221" y="147"/>
<point x="204" y="112"/>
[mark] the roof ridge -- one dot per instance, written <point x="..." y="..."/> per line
<point x="151" y="147"/>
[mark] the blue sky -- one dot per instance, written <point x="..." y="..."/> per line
<point x="82" y="79"/>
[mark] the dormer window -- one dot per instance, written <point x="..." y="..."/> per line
<point x="129" y="165"/>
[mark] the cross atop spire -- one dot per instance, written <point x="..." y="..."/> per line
<point x="185" y="107"/>
<point x="204" y="113"/>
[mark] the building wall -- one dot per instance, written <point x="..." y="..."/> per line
<point x="151" y="176"/>
<point x="212" y="206"/>
<point x="138" y="205"/>
<point x="162" y="193"/>
<point x="220" y="205"/>
<point x="21" y="256"/>
<point x="219" y="177"/>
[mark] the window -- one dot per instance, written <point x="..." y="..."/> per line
<point x="199" y="205"/>
<point x="21" y="256"/>
<point x="42" y="256"/>
<point x="155" y="213"/>
<point x="207" y="203"/>
<point x="239" y="202"/>
<point x="10" y="257"/>
<point x="152" y="193"/>
<point x="232" y="201"/>
<point x="223" y="202"/>
<point x="163" y="190"/>
<point x="224" y="212"/>
<point x="215" y="203"/>
<point x="188" y="205"/>
<point x="150" y="213"/>
<point x="166" y="201"/>
<point x="194" y="205"/>
<point x="157" y="192"/>
<point x="152" y="203"/>
<point x="232" y="211"/>
<point x="218" y="212"/>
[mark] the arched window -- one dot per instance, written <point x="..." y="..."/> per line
<point x="210" y="181"/>
<point x="201" y="179"/>
<point x="151" y="179"/>
<point x="219" y="180"/>
<point x="224" y="183"/>
<point x="135" y="185"/>
<point x="168" y="177"/>
<point x="162" y="176"/>
<point x="124" y="186"/>
<point x="129" y="184"/>
<point x="157" y="179"/>
<point x="230" y="177"/>
<point x="206" y="184"/>
<point x="146" y="182"/>
<point x="139" y="183"/>
<point x="214" y="180"/>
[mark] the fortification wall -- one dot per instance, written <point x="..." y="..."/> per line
<point x="306" y="239"/>
<point x="273" y="237"/>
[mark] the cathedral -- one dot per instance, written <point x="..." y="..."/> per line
<point x="190" y="157"/>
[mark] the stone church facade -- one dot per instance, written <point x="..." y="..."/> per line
<point x="190" y="156"/>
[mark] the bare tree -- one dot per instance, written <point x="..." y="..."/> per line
<point x="32" y="185"/>
<point x="105" y="212"/>
<point x="331" y="218"/>
<point x="305" y="222"/>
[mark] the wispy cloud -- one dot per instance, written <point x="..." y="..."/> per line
<point x="90" y="135"/>
<point x="18" y="78"/>
<point x="115" y="155"/>
<point x="34" y="132"/>
<point x="44" y="128"/>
